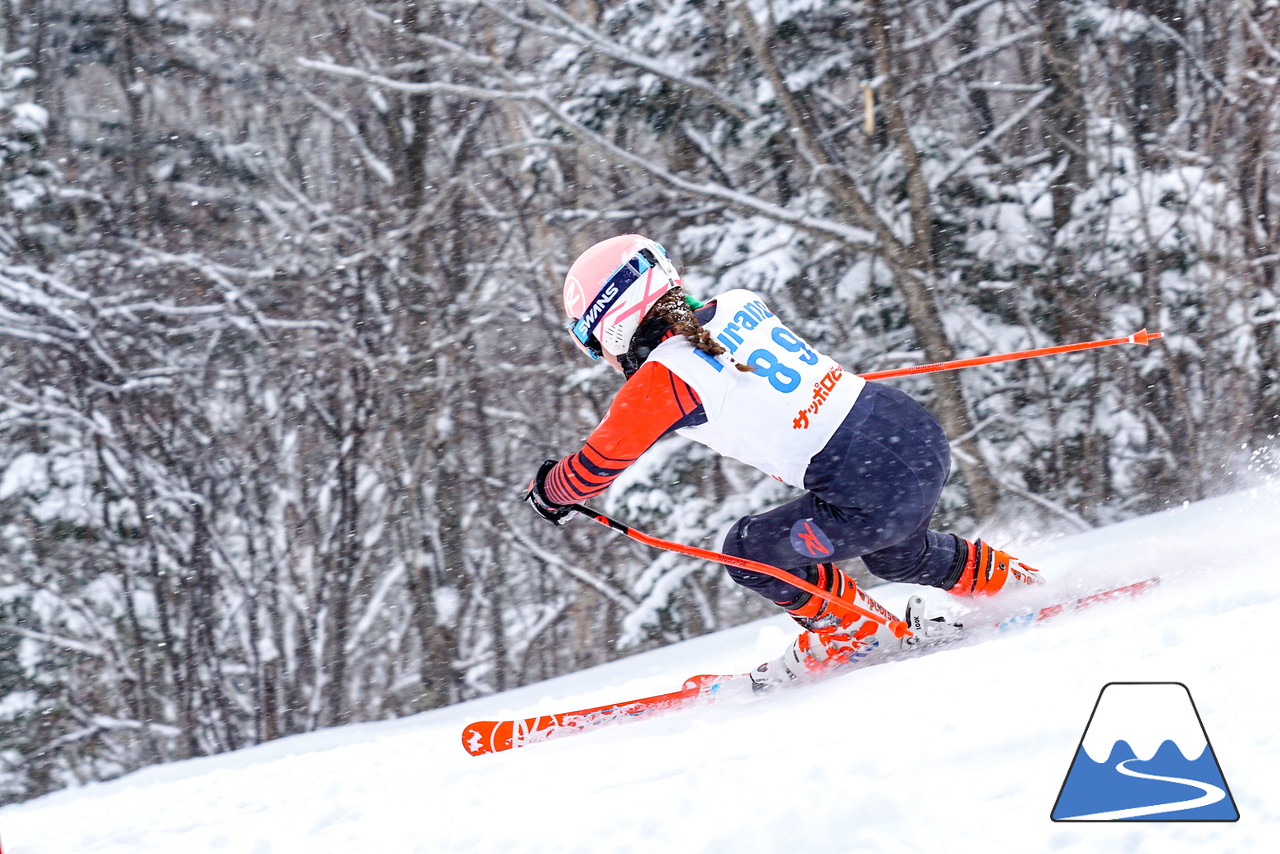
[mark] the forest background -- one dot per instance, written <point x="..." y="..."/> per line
<point x="281" y="342"/>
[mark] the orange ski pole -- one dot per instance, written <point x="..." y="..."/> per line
<point x="1142" y="338"/>
<point x="898" y="627"/>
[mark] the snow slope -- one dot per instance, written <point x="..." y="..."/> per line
<point x="961" y="751"/>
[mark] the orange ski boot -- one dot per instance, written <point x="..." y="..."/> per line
<point x="834" y="634"/>
<point x="987" y="571"/>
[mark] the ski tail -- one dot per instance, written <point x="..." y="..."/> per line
<point x="483" y="737"/>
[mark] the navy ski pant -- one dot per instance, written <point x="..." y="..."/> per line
<point x="871" y="493"/>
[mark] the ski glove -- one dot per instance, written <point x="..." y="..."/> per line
<point x="554" y="513"/>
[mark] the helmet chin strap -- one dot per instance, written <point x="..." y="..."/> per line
<point x="631" y="361"/>
<point x="650" y="334"/>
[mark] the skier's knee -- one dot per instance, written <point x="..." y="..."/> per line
<point x="733" y="541"/>
<point x="735" y="546"/>
<point x="773" y="589"/>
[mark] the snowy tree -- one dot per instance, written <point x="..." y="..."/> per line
<point x="282" y="343"/>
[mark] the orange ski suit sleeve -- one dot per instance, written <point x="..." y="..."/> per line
<point x="650" y="404"/>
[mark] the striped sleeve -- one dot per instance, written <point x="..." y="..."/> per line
<point x="652" y="403"/>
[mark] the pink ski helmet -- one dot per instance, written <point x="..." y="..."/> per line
<point x="610" y="288"/>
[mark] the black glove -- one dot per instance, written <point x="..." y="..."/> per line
<point x="537" y="497"/>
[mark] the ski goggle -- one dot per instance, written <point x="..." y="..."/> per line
<point x="583" y="329"/>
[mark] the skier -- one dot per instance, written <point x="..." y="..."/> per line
<point x="729" y="374"/>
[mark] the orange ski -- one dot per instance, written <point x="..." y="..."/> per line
<point x="492" y="736"/>
<point x="484" y="737"/>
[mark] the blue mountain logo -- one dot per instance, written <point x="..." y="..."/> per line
<point x="1145" y="756"/>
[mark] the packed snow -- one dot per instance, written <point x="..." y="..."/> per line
<point x="960" y="751"/>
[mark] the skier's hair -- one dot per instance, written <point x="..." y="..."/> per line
<point x="674" y="309"/>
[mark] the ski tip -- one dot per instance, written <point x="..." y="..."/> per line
<point x="1144" y="337"/>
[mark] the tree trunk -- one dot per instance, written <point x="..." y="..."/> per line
<point x="916" y="275"/>
<point x="1064" y="112"/>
